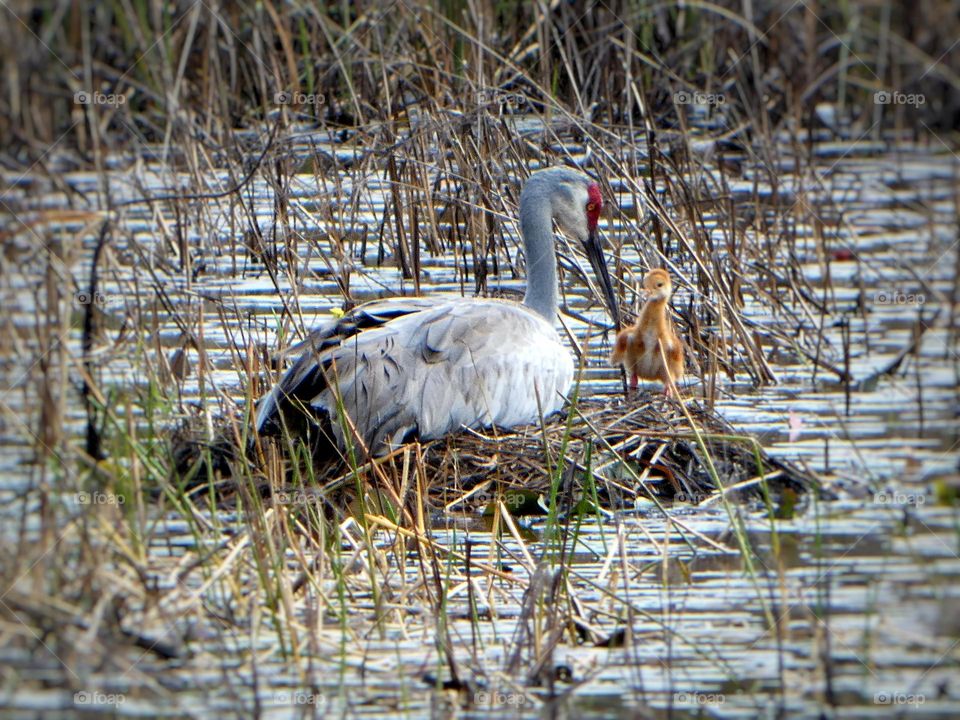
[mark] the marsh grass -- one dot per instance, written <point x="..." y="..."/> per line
<point x="415" y="156"/>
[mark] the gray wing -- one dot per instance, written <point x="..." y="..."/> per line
<point x="469" y="363"/>
<point x="372" y="314"/>
<point x="289" y="400"/>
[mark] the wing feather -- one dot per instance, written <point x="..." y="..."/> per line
<point x="469" y="363"/>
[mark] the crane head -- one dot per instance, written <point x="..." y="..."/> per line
<point x="594" y="205"/>
<point x="575" y="203"/>
<point x="594" y="250"/>
<point x="657" y="285"/>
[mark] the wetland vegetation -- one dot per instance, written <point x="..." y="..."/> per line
<point x="189" y="187"/>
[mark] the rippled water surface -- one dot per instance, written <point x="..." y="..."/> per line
<point x="854" y="603"/>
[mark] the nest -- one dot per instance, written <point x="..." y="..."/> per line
<point x="606" y="457"/>
<point x="615" y="454"/>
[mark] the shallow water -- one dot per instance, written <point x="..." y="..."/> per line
<point x="863" y="589"/>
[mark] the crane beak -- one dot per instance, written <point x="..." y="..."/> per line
<point x="599" y="265"/>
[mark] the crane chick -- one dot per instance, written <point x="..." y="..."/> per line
<point x="638" y="348"/>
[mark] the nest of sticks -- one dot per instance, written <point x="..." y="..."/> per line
<point x="610" y="453"/>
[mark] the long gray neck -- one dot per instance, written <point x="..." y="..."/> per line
<point x="536" y="225"/>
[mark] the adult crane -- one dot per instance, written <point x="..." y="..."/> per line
<point x="395" y="369"/>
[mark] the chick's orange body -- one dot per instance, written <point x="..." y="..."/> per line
<point x="650" y="349"/>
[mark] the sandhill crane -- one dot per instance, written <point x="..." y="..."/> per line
<point x="638" y="348"/>
<point x="391" y="370"/>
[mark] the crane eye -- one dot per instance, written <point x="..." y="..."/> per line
<point x="591" y="207"/>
